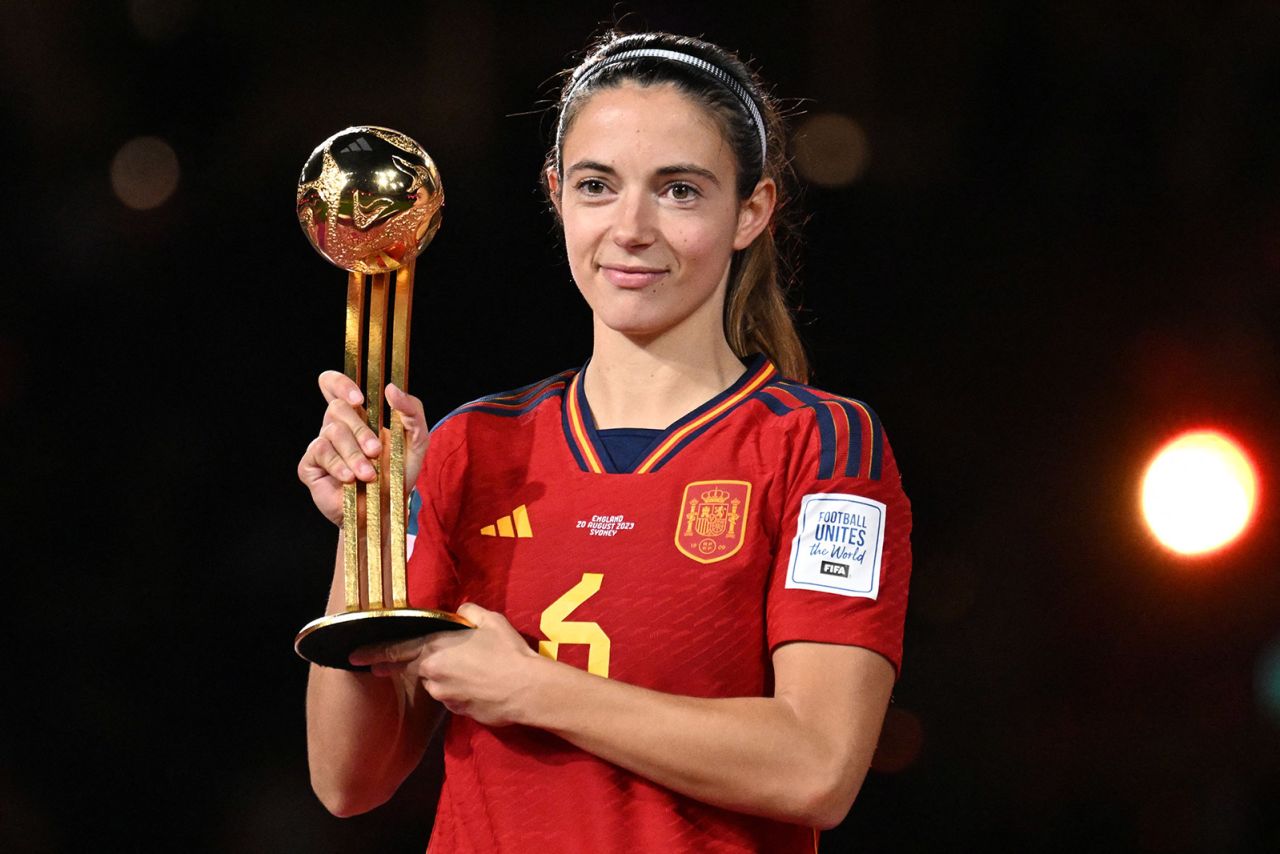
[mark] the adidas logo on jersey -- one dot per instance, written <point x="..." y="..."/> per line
<point x="515" y="525"/>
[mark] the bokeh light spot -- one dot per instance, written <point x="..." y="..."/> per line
<point x="1198" y="493"/>
<point x="901" y="740"/>
<point x="144" y="173"/>
<point x="831" y="150"/>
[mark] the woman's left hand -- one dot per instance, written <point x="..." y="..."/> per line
<point x="483" y="673"/>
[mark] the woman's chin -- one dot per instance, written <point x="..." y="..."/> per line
<point x="634" y="324"/>
<point x="635" y="331"/>
<point x="644" y="326"/>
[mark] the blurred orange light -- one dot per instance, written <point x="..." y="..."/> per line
<point x="1199" y="492"/>
<point x="832" y="150"/>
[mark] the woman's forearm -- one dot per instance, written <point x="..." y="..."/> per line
<point x="799" y="756"/>
<point x="365" y="733"/>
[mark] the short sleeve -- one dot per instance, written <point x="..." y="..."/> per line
<point x="843" y="561"/>
<point x="432" y="572"/>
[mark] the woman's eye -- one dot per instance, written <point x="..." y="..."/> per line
<point x="683" y="192"/>
<point x="591" y="186"/>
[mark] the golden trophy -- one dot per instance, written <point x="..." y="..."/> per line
<point x="369" y="200"/>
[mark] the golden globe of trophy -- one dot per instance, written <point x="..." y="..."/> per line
<point x="369" y="200"/>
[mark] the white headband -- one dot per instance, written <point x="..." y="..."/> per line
<point x="723" y="77"/>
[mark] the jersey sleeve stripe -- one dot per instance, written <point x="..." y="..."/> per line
<point x="494" y="405"/>
<point x="762" y="376"/>
<point x="501" y="406"/>
<point x="844" y="458"/>
<point x="791" y="401"/>
<point x="864" y="458"/>
<point x="770" y="398"/>
<point x="826" y="429"/>
<point x="871" y="455"/>
<point x="506" y="411"/>
<point x="875" y="453"/>
<point x="526" y="392"/>
<point x="856" y="463"/>
<point x="851" y="440"/>
<point x="504" y="404"/>
<point x="866" y="439"/>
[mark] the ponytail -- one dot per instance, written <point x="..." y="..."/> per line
<point x="757" y="318"/>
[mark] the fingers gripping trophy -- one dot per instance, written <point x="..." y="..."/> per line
<point x="369" y="200"/>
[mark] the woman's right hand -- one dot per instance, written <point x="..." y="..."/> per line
<point x="346" y="447"/>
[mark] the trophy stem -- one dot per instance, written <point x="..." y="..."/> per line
<point x="376" y="361"/>
<point x="399" y="376"/>
<point x="350" y="491"/>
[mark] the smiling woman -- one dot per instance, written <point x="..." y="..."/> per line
<point x="651" y="219"/>
<point x="676" y="648"/>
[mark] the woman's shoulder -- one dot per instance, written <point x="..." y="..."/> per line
<point x="789" y="397"/>
<point x="844" y="433"/>
<point x="511" y="404"/>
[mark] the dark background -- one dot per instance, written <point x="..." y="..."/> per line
<point x="1064" y="249"/>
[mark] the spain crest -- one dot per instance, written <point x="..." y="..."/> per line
<point x="713" y="519"/>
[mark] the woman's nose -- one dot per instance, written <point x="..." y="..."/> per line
<point x="634" y="220"/>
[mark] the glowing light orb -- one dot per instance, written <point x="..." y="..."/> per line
<point x="1199" y="492"/>
<point x="832" y="150"/>
<point x="144" y="173"/>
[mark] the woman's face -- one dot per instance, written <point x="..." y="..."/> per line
<point x="651" y="216"/>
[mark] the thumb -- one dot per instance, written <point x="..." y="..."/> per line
<point x="473" y="613"/>
<point x="414" y="420"/>
<point x="409" y="407"/>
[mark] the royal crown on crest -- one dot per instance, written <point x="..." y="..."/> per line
<point x="715" y="495"/>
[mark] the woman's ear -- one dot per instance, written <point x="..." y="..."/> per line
<point x="754" y="213"/>
<point x="553" y="188"/>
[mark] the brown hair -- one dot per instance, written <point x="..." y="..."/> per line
<point x="757" y="318"/>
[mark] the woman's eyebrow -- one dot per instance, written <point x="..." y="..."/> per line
<point x="590" y="166"/>
<point x="673" y="169"/>
<point x="689" y="169"/>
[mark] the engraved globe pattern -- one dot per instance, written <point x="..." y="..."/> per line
<point x="369" y="199"/>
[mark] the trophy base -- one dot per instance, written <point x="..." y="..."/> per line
<point x="329" y="641"/>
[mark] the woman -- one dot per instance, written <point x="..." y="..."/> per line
<point x="726" y="547"/>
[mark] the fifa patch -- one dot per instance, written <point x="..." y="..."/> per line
<point x="713" y="519"/>
<point x="838" y="545"/>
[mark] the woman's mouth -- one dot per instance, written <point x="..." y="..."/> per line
<point x="632" y="277"/>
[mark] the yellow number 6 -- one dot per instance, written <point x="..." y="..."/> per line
<point x="554" y="626"/>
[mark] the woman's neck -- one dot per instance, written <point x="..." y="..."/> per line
<point x="650" y="384"/>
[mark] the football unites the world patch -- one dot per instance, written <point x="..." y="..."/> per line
<point x="838" y="544"/>
<point x="713" y="518"/>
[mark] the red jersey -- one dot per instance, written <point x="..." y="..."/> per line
<point x="771" y="513"/>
